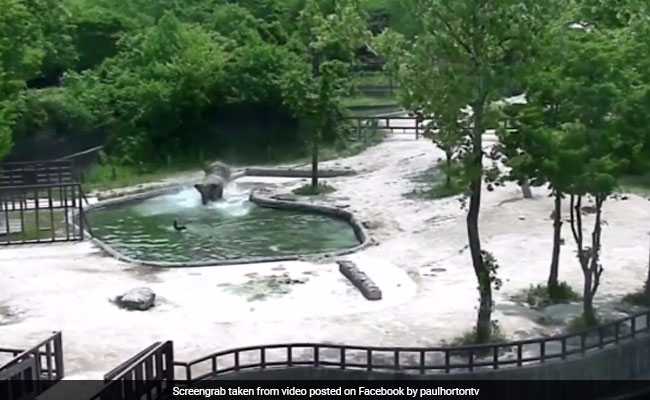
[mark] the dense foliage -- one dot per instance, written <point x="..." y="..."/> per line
<point x="156" y="76"/>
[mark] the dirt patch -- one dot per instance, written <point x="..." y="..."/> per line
<point x="261" y="288"/>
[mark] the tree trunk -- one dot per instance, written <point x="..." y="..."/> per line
<point x="448" y="171"/>
<point x="553" y="281"/>
<point x="588" y="312"/>
<point x="647" y="281"/>
<point x="525" y="189"/>
<point x="314" y="165"/>
<point x="484" y="321"/>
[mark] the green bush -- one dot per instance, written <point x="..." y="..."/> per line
<point x="470" y="338"/>
<point x="638" y="299"/>
<point x="540" y="297"/>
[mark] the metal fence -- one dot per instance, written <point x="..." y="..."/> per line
<point x="394" y="124"/>
<point x="41" y="213"/>
<point x="146" y="375"/>
<point x="31" y="372"/>
<point x="417" y="360"/>
<point x="36" y="173"/>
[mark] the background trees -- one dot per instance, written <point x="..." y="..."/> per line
<point x="327" y="42"/>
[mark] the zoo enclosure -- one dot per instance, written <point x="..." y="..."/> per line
<point x="40" y="202"/>
<point x="417" y="359"/>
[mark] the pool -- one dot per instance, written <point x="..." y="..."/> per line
<point x="231" y="229"/>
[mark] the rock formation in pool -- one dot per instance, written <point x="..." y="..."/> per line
<point x="217" y="176"/>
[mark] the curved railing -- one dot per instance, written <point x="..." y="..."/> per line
<point x="416" y="359"/>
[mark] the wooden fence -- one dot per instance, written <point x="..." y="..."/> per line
<point x="147" y="375"/>
<point x="394" y="124"/>
<point x="418" y="360"/>
<point x="31" y="372"/>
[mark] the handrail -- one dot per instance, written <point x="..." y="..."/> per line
<point x="477" y="356"/>
<point x="152" y="370"/>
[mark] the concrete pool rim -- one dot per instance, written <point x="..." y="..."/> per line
<point x="260" y="198"/>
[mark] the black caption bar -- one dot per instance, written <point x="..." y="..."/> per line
<point x="333" y="390"/>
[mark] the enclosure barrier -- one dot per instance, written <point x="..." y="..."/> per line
<point x="394" y="124"/>
<point x="36" y="173"/>
<point x="418" y="360"/>
<point x="146" y="375"/>
<point x="33" y="371"/>
<point x="41" y="213"/>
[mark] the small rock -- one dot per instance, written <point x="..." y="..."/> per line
<point x="140" y="299"/>
<point x="438" y="270"/>
<point x="522" y="218"/>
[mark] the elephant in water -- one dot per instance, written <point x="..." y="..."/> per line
<point x="217" y="176"/>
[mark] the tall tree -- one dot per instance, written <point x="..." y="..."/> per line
<point x="470" y="50"/>
<point x="328" y="43"/>
<point x="21" y="55"/>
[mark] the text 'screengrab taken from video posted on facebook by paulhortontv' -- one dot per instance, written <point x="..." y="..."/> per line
<point x="324" y="199"/>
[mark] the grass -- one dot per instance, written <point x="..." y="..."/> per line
<point x="579" y="324"/>
<point x="308" y="189"/>
<point x="433" y="185"/>
<point x="539" y="296"/>
<point x="31" y="231"/>
<point x="371" y="79"/>
<point x="470" y="338"/>
<point x="364" y="101"/>
<point x="108" y="176"/>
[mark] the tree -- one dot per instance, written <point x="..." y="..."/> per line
<point x="155" y="88"/>
<point x="313" y="91"/>
<point x="391" y="44"/>
<point x="469" y="51"/>
<point x="21" y="55"/>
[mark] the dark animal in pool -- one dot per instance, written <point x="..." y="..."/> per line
<point x="217" y="176"/>
<point x="177" y="227"/>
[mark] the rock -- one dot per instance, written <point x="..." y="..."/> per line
<point x="438" y="270"/>
<point x="140" y="299"/>
<point x="561" y="314"/>
<point x="372" y="224"/>
<point x="522" y="218"/>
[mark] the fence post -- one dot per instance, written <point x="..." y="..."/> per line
<point x="81" y="212"/>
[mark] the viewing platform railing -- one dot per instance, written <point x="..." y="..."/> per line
<point x="420" y="360"/>
<point x="31" y="372"/>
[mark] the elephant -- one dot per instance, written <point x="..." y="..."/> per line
<point x="211" y="188"/>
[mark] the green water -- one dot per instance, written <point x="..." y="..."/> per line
<point x="229" y="229"/>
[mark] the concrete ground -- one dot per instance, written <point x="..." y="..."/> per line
<point x="420" y="263"/>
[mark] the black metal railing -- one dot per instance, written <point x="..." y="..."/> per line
<point x="146" y="375"/>
<point x="31" y="372"/>
<point x="41" y="213"/>
<point x="36" y="173"/>
<point x="419" y="360"/>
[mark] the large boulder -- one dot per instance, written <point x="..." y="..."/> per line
<point x="139" y="299"/>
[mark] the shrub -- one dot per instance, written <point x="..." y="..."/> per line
<point x="637" y="299"/>
<point x="539" y="296"/>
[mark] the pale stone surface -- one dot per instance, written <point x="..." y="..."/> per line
<point x="65" y="287"/>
